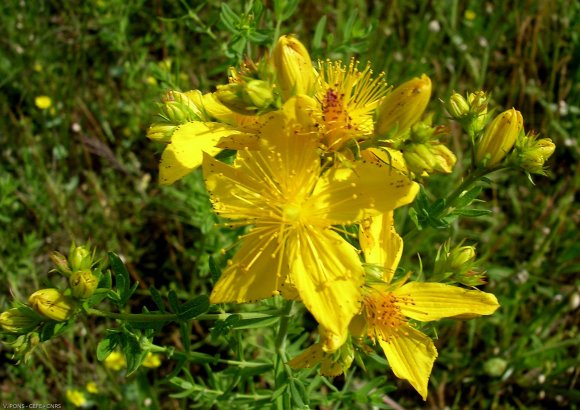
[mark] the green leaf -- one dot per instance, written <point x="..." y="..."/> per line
<point x="468" y="197"/>
<point x="157" y="299"/>
<point x="256" y="323"/>
<point x="318" y="33"/>
<point x="194" y="308"/>
<point x="215" y="272"/>
<point x="107" y="346"/>
<point x="223" y="326"/>
<point x="122" y="279"/>
<point x="471" y="213"/>
<point x="229" y="18"/>
<point x="133" y="353"/>
<point x="174" y="302"/>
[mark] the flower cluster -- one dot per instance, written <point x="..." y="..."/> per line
<point x="320" y="148"/>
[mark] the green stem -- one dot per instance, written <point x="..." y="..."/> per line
<point x="283" y="330"/>
<point x="169" y="317"/>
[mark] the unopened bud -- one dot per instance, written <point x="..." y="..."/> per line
<point x="246" y="98"/>
<point x="80" y="258"/>
<point x="404" y="106"/>
<point x="293" y="67"/>
<point x="495" y="367"/>
<point x="478" y="102"/>
<point x="259" y="93"/>
<point x="444" y="158"/>
<point x="60" y="262"/>
<point x="534" y="153"/>
<point x="460" y="256"/>
<point x="83" y="283"/>
<point x="161" y="132"/>
<point x="52" y="304"/>
<point x="457" y="106"/>
<point x="499" y="137"/>
<point x="17" y="321"/>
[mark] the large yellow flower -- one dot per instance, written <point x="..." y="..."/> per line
<point x="387" y="307"/>
<point x="292" y="201"/>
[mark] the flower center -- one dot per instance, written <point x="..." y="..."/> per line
<point x="291" y="213"/>
<point x="383" y="315"/>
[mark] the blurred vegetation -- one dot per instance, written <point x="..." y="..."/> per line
<point x="82" y="170"/>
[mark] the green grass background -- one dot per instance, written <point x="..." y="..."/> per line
<point x="83" y="170"/>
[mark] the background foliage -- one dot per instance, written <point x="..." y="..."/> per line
<point x="82" y="169"/>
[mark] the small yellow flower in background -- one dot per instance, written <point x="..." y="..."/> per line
<point x="76" y="397"/>
<point x="470" y="15"/>
<point x="38" y="67"/>
<point x="404" y="106"/>
<point x="151" y="80"/>
<point x="152" y="360"/>
<point x="43" y="102"/>
<point x="92" y="387"/>
<point x="499" y="137"/>
<point x="115" y="361"/>
<point x="52" y="304"/>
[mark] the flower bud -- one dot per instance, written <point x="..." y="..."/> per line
<point x="499" y="137"/>
<point x="460" y="256"/>
<point x="60" y="262"/>
<point x="293" y="67"/>
<point x="457" y="106"/>
<point x="535" y="153"/>
<point x="52" y="304"/>
<point x="16" y="321"/>
<point x="404" y="106"/>
<point x="495" y="367"/>
<point x="83" y="283"/>
<point x="80" y="258"/>
<point x="76" y="397"/>
<point x="161" y="132"/>
<point x="246" y="98"/>
<point x="444" y="158"/>
<point x="478" y="102"/>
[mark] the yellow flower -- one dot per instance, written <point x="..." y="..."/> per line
<point x="115" y="361"/>
<point x="76" y="397"/>
<point x="152" y="360"/>
<point x="470" y="15"/>
<point x="387" y="307"/>
<point x="404" y="106"/>
<point x="16" y="320"/>
<point x="43" y="102"/>
<point x="348" y="99"/>
<point x="293" y="67"/>
<point x="292" y="201"/>
<point x="92" y="387"/>
<point x="499" y="137"/>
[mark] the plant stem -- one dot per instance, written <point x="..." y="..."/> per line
<point x="283" y="330"/>
<point x="169" y="317"/>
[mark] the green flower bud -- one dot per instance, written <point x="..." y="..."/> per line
<point x="293" y="67"/>
<point x="404" y="106"/>
<point x="52" y="304"/>
<point x="499" y="137"/>
<point x="18" y="321"/>
<point x="478" y="102"/>
<point x="83" y="284"/>
<point x="161" y="132"/>
<point x="460" y="256"/>
<point x="444" y="158"/>
<point x="457" y="106"/>
<point x="532" y="153"/>
<point x="61" y="263"/>
<point x="80" y="258"/>
<point x="259" y="93"/>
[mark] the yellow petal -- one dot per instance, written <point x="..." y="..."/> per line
<point x="328" y="276"/>
<point x="366" y="188"/>
<point x="433" y="301"/>
<point x="185" y="152"/>
<point x="411" y="355"/>
<point x="381" y="244"/>
<point x="256" y="271"/>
